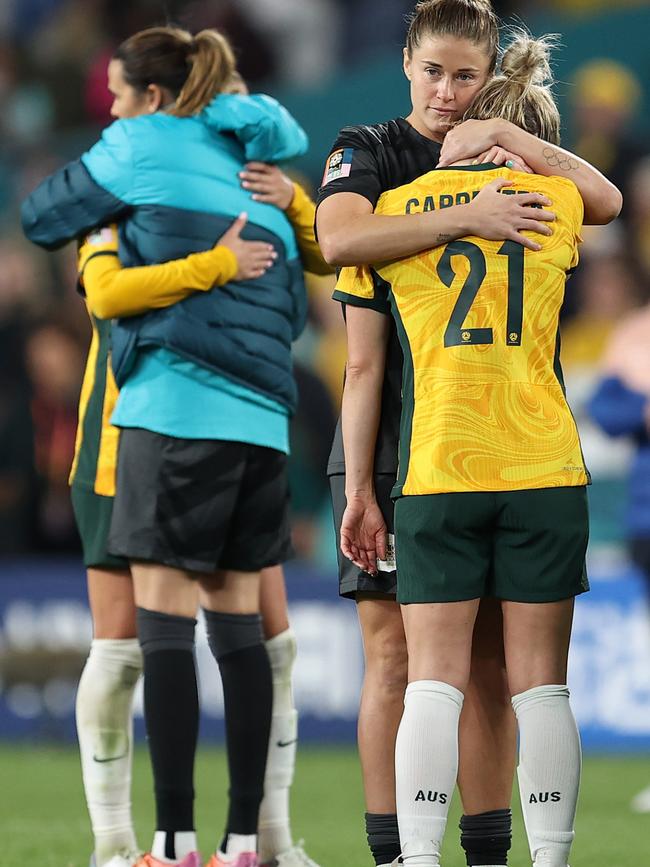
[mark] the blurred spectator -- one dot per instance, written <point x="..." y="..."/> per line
<point x="18" y="303"/>
<point x="312" y="430"/>
<point x="638" y="210"/>
<point x="55" y="365"/>
<point x="330" y="352"/>
<point x="258" y="59"/>
<point x="606" y="287"/>
<point x="605" y="99"/>
<point x="17" y="491"/>
<point x="589" y="6"/>
<point x="604" y="290"/>
<point x="304" y="37"/>
<point x="621" y="406"/>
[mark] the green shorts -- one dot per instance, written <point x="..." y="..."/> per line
<point x="93" y="516"/>
<point x="521" y="546"/>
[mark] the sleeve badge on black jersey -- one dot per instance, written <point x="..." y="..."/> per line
<point x="338" y="165"/>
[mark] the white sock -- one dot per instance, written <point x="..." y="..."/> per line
<point x="426" y="765"/>
<point x="273" y="826"/>
<point x="105" y="732"/>
<point x="237" y="843"/>
<point x="548" y="772"/>
<point x="182" y="844"/>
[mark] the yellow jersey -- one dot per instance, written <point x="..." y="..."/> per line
<point x="483" y="402"/>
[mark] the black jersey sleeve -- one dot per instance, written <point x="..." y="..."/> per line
<point x="352" y="166"/>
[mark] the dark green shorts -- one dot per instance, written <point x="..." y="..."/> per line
<point x="93" y="515"/>
<point x="521" y="546"/>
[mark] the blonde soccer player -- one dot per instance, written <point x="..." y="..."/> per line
<point x="490" y="493"/>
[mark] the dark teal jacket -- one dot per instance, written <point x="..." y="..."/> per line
<point x="173" y="185"/>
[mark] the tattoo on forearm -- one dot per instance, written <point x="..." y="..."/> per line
<point x="556" y="160"/>
<point x="441" y="239"/>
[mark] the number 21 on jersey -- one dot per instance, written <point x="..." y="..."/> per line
<point x="455" y="333"/>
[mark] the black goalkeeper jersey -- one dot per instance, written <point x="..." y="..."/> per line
<point x="369" y="160"/>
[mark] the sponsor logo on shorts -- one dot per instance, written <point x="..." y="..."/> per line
<point x="286" y="743"/>
<point x="389" y="564"/>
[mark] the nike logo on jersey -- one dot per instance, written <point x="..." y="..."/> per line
<point x="286" y="743"/>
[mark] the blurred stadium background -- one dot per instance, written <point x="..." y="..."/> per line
<point x="332" y="62"/>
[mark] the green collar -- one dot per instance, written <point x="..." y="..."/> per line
<point x="481" y="167"/>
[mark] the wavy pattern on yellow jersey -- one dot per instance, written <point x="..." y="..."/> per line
<point x="480" y="322"/>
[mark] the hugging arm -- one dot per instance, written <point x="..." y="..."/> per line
<point x="350" y="233"/>
<point x="269" y="184"/>
<point x="113" y="291"/>
<point x="603" y="201"/>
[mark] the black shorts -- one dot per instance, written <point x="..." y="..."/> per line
<point x="353" y="580"/>
<point x="200" y="505"/>
<point x="93" y="516"/>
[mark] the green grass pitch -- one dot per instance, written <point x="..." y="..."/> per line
<point x="43" y="818"/>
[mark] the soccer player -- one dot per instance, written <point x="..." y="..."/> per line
<point x="105" y="691"/>
<point x="206" y="53"/>
<point x="490" y="491"/>
<point x="451" y="52"/>
<point x="104" y="697"/>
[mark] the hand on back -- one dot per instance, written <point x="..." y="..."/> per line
<point x="467" y="140"/>
<point x="267" y="184"/>
<point x="496" y="216"/>
<point x="254" y="258"/>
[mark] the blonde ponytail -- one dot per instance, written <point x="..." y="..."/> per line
<point x="212" y="66"/>
<point x="521" y="92"/>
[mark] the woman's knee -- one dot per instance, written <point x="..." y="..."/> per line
<point x="231" y="592"/>
<point x="165" y="589"/>
<point x="387" y="662"/>
<point x="110" y="593"/>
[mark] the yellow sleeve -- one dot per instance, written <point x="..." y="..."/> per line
<point x="113" y="291"/>
<point x="567" y="196"/>
<point x="577" y="219"/>
<point x="361" y="286"/>
<point x="302" y="213"/>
